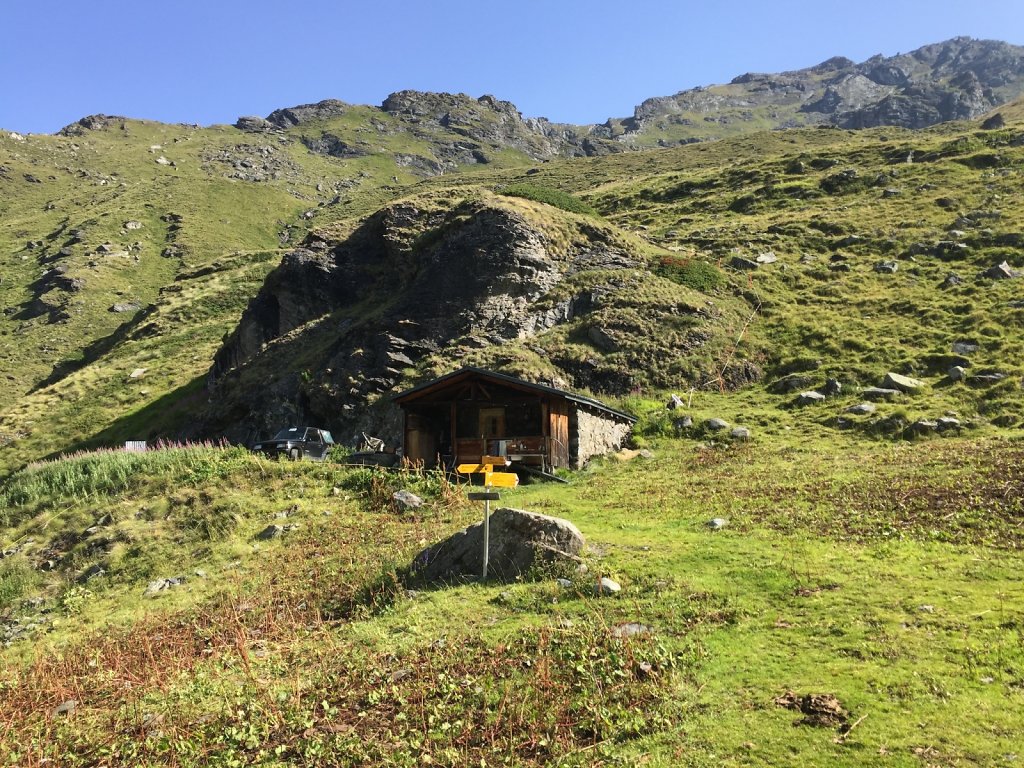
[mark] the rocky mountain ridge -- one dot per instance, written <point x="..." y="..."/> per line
<point x="958" y="79"/>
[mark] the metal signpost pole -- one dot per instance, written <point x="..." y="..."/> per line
<point x="487" y="530"/>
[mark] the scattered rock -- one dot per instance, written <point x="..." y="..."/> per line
<point x="163" y="160"/>
<point x="631" y="629"/>
<point x="923" y="426"/>
<point x="131" y="306"/>
<point x="602" y="339"/>
<point x="832" y="388"/>
<point x="406" y="500"/>
<point x="138" y="373"/>
<point x="92" y="572"/>
<point x="768" y="257"/>
<point x="947" y="422"/>
<point x="682" y="424"/>
<point x="740" y="433"/>
<point x="861" y="409"/>
<point x="716" y="425"/>
<point x="879" y="393"/>
<point x="717" y="523"/>
<point x="66" y="708"/>
<point x="160" y="585"/>
<point x="133" y="225"/>
<point x="809" y="398"/>
<point x="819" y="709"/>
<point x="606" y="586"/>
<point x="519" y="541"/>
<point x="738" y="262"/>
<point x="276" y="531"/>
<point x="902" y="383"/>
<point x="956" y="373"/>
<point x="965" y="347"/>
<point x="952" y="280"/>
<point x="889" y="267"/>
<point x="1001" y="272"/>
<point x="985" y="379"/>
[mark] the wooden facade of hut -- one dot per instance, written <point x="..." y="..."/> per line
<point x="459" y="417"/>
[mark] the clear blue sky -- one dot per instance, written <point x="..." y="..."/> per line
<point x="209" y="61"/>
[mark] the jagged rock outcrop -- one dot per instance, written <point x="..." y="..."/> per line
<point x="91" y="123"/>
<point x="431" y="283"/>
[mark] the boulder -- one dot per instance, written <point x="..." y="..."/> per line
<point x="519" y="541"/>
<point x="947" y="422"/>
<point x="768" y="257"/>
<point x="740" y="433"/>
<point x="888" y="267"/>
<point x="717" y="523"/>
<point x="902" y="383"/>
<point x="964" y="347"/>
<point x="716" y="425"/>
<point x="956" y="373"/>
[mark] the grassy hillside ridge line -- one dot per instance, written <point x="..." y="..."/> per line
<point x="671" y="199"/>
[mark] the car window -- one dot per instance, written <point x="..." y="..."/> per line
<point x="313" y="435"/>
<point x="288" y="433"/>
<point x="328" y="438"/>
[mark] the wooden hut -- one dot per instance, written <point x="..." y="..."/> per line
<point x="472" y="412"/>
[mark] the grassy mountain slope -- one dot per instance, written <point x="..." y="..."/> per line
<point x="863" y="557"/>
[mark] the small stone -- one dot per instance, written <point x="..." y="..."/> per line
<point x="740" y="433"/>
<point x="947" y="422"/>
<point x="809" y="398"/>
<point x="564" y="583"/>
<point x="606" y="586"/>
<point x="768" y="257"/>
<point x="926" y="608"/>
<point x="738" y="262"/>
<point x="270" y="532"/>
<point x="861" y="409"/>
<point x="900" y="382"/>
<point x="632" y="629"/>
<point x="138" y="373"/>
<point x="888" y="267"/>
<point x="956" y="373"/>
<point x="406" y="500"/>
<point x="645" y="453"/>
<point x="133" y="225"/>
<point x="716" y="425"/>
<point x="879" y="393"/>
<point x="717" y="523"/>
<point x="66" y="708"/>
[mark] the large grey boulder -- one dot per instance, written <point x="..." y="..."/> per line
<point x="902" y="383"/>
<point x="519" y="541"/>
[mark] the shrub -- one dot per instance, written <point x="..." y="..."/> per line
<point x="549" y="196"/>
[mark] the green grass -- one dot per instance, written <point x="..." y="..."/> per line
<point x="829" y="578"/>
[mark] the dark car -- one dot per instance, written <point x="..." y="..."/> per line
<point x="297" y="443"/>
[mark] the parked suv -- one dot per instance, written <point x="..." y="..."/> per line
<point x="297" y="443"/>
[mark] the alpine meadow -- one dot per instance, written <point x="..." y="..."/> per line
<point x="807" y="288"/>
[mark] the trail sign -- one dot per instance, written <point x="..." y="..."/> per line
<point x="491" y="479"/>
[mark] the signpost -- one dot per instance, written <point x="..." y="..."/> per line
<point x="492" y="479"/>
